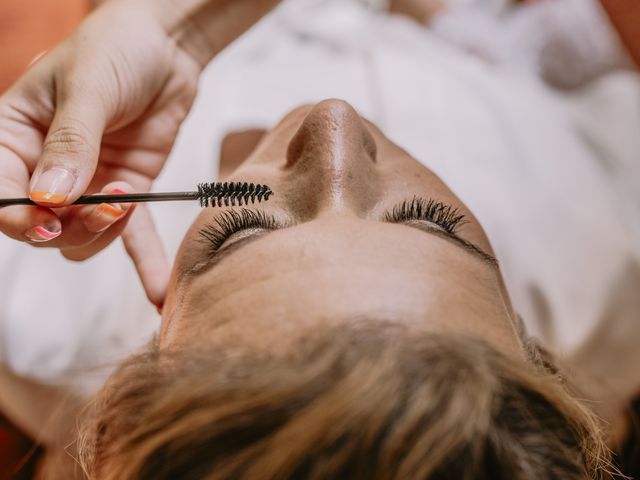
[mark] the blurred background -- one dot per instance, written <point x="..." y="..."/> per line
<point x="29" y="27"/>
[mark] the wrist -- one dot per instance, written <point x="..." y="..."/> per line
<point x="203" y="28"/>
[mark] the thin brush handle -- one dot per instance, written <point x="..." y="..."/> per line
<point x="229" y="194"/>
<point x="117" y="198"/>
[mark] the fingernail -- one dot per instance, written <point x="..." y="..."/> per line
<point x="43" y="233"/>
<point x="123" y="206"/>
<point x="103" y="216"/>
<point x="52" y="186"/>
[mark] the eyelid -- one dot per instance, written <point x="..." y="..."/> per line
<point x="230" y="222"/>
<point x="446" y="216"/>
<point x="276" y="222"/>
<point x="240" y="235"/>
<point x="392" y="216"/>
<point x="213" y="259"/>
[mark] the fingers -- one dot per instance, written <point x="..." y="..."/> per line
<point x="71" y="148"/>
<point x="145" y="248"/>
<point x="87" y="229"/>
<point x="30" y="224"/>
<point x="35" y="224"/>
<point x="93" y="227"/>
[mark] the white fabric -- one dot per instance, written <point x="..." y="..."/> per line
<point x="554" y="180"/>
<point x="566" y="42"/>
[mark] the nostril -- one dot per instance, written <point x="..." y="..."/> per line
<point x="330" y="130"/>
<point x="296" y="146"/>
<point x="370" y="145"/>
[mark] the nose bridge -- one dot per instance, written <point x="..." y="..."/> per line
<point x="336" y="154"/>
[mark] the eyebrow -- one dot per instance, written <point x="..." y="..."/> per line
<point x="457" y="241"/>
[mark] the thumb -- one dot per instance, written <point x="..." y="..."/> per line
<point x="70" y="150"/>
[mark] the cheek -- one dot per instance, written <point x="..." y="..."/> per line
<point x="236" y="148"/>
<point x="271" y="151"/>
<point x="192" y="247"/>
<point x="172" y="299"/>
<point x="189" y="253"/>
<point x="476" y="234"/>
<point x="169" y="308"/>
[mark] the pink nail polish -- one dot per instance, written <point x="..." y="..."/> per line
<point x="124" y="206"/>
<point x="41" y="233"/>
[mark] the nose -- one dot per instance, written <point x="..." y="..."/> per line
<point x="332" y="159"/>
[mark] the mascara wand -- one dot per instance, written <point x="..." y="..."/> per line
<point x="208" y="194"/>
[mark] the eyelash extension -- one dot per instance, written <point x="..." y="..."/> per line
<point x="445" y="216"/>
<point x="229" y="222"/>
<point x="232" y="221"/>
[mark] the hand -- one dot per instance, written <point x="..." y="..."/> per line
<point x="98" y="113"/>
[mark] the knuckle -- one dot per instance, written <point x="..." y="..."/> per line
<point x="68" y="140"/>
<point x="6" y="111"/>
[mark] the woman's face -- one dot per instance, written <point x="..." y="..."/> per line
<point x="356" y="229"/>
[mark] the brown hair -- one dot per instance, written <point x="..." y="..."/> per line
<point x="359" y="402"/>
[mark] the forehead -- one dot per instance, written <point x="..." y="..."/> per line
<point x="321" y="272"/>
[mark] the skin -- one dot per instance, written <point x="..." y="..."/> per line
<point x="84" y="108"/>
<point x="100" y="113"/>
<point x="334" y="175"/>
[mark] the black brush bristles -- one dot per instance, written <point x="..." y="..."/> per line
<point x="231" y="194"/>
<point x="208" y="194"/>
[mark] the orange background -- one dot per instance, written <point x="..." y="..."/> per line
<point x="27" y="27"/>
<point x="625" y="16"/>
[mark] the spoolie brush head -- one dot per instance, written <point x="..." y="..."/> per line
<point x="231" y="194"/>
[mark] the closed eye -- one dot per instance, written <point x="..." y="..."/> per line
<point x="430" y="216"/>
<point x="231" y="222"/>
<point x="438" y="213"/>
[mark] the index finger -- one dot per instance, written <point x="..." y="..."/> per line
<point x="143" y="244"/>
